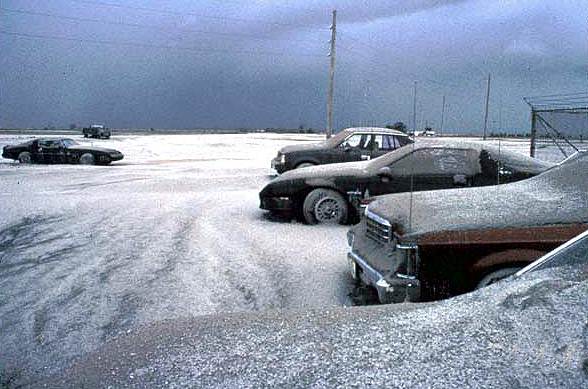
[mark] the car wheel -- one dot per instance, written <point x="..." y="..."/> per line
<point x="324" y="206"/>
<point x="87" y="159"/>
<point x="25" y="157"/>
<point x="305" y="164"/>
<point x="496" y="276"/>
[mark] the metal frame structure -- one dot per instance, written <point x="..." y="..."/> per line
<point x="572" y="103"/>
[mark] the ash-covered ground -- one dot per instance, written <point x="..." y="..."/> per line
<point x="173" y="231"/>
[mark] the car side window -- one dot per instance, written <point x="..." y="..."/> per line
<point x="437" y="161"/>
<point x="357" y="141"/>
<point x="387" y="143"/>
<point x="49" y="144"/>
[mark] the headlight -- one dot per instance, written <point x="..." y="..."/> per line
<point x="283" y="158"/>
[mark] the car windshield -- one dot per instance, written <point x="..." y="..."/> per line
<point x="573" y="253"/>
<point x="68" y="142"/>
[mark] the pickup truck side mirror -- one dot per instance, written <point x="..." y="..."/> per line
<point x="347" y="148"/>
<point x="385" y="173"/>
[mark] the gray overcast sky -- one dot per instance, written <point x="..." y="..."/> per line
<point x="247" y="63"/>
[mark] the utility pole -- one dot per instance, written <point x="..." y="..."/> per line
<point x="414" y="104"/>
<point x="487" y="103"/>
<point x="442" y="116"/>
<point x="331" y="76"/>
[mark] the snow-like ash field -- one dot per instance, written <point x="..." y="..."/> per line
<point x="90" y="253"/>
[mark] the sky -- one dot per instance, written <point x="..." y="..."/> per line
<point x="264" y="63"/>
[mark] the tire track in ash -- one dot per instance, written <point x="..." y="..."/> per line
<point x="236" y="273"/>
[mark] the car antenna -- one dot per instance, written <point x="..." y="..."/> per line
<point x="414" y="124"/>
<point x="411" y="190"/>
<point x="498" y="167"/>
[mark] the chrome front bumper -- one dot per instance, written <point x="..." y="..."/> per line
<point x="391" y="287"/>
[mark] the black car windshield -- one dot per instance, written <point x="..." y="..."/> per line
<point x="68" y="142"/>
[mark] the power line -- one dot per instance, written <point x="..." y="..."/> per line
<point x="143" y="26"/>
<point x="272" y="5"/>
<point x="190" y="13"/>
<point x="143" y="45"/>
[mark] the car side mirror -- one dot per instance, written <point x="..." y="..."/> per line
<point x="347" y="148"/>
<point x="385" y="173"/>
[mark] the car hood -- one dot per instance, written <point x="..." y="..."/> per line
<point x="557" y="196"/>
<point x="93" y="148"/>
<point x="357" y="169"/>
<point x="305" y="147"/>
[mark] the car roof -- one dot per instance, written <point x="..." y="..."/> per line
<point x="52" y="139"/>
<point x="371" y="130"/>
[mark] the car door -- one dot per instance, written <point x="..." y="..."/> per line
<point x="41" y="151"/>
<point x="52" y="151"/>
<point x="429" y="169"/>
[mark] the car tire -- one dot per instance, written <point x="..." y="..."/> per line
<point x="25" y="157"/>
<point x="496" y="276"/>
<point x="87" y="159"/>
<point x="305" y="164"/>
<point x="324" y="206"/>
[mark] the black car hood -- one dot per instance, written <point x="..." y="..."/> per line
<point x="559" y="195"/>
<point x="92" y="148"/>
<point x="356" y="169"/>
<point x="305" y="147"/>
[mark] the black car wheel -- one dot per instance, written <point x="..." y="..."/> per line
<point x="24" y="157"/>
<point x="324" y="206"/>
<point x="87" y="159"/>
<point x="496" y="276"/>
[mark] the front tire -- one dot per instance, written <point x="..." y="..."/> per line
<point x="25" y="157"/>
<point x="496" y="276"/>
<point x="324" y="206"/>
<point x="87" y="159"/>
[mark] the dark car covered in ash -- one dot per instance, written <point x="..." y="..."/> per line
<point x="436" y="244"/>
<point x="352" y="144"/>
<point x="334" y="193"/>
<point x="60" y="150"/>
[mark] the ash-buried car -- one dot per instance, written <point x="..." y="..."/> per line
<point x="334" y="193"/>
<point x="60" y="150"/>
<point x="349" y="145"/>
<point x="436" y="244"/>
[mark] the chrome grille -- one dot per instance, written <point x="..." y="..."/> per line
<point x="378" y="228"/>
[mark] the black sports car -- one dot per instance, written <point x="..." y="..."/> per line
<point x="60" y="150"/>
<point x="334" y="193"/>
<point x="350" y="145"/>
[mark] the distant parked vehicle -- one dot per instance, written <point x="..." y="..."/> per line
<point x="52" y="150"/>
<point x="334" y="193"/>
<point x="352" y="144"/>
<point x="96" y="131"/>
<point x="437" y="244"/>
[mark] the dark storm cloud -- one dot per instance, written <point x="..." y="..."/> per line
<point x="264" y="63"/>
